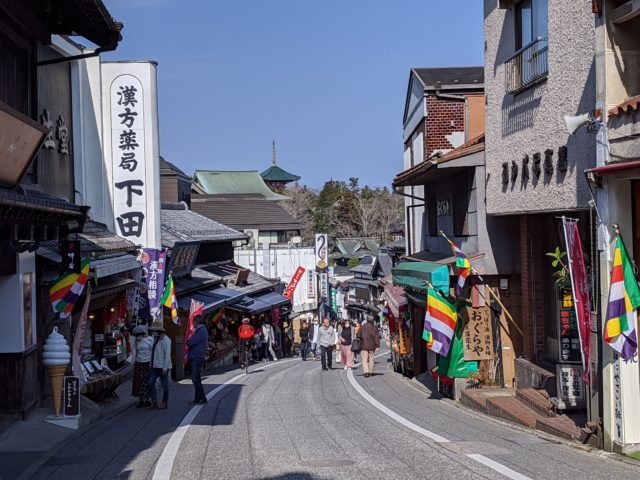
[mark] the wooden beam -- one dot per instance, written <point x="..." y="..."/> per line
<point x="626" y="11"/>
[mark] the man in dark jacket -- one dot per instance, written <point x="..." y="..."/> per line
<point x="198" y="343"/>
<point x="368" y="334"/>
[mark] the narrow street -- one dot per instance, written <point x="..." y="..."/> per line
<point x="291" y="420"/>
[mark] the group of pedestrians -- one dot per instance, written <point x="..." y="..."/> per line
<point x="349" y="339"/>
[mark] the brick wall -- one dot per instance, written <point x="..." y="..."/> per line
<point x="533" y="305"/>
<point x="441" y="112"/>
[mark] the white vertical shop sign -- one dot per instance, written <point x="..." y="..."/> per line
<point x="128" y="159"/>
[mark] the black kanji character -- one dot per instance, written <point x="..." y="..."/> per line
<point x="128" y="161"/>
<point x="127" y="96"/>
<point x="128" y="117"/>
<point x="129" y="184"/>
<point x="130" y="224"/>
<point x="128" y="140"/>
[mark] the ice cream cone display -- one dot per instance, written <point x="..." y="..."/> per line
<point x="56" y="357"/>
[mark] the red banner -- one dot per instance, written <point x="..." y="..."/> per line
<point x="291" y="288"/>
<point x="580" y="288"/>
<point x="196" y="309"/>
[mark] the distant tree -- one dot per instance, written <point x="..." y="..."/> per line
<point x="353" y="262"/>
<point x="301" y="206"/>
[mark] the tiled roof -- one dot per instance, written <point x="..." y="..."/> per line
<point x="196" y="280"/>
<point x="96" y="238"/>
<point x="450" y="76"/>
<point x="181" y="224"/>
<point x="168" y="168"/>
<point x="276" y="174"/>
<point x="629" y="105"/>
<point x="474" y="145"/>
<point x="244" y="213"/>
<point x="234" y="183"/>
<point x="356" y="246"/>
<point x="32" y="198"/>
<point x="227" y="271"/>
<point x="386" y="263"/>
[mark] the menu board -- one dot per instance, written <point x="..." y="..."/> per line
<point x="570" y="385"/>
<point x="477" y="334"/>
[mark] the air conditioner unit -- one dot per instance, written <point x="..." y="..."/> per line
<point x="253" y="237"/>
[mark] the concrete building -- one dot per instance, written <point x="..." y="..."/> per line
<point x="539" y="67"/>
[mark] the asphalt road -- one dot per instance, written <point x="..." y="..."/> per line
<point x="294" y="421"/>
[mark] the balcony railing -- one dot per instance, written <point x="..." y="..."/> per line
<point x="527" y="66"/>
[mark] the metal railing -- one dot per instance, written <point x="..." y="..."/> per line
<point x="527" y="66"/>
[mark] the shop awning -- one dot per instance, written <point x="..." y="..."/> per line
<point x="251" y="306"/>
<point x="417" y="275"/>
<point x="110" y="286"/>
<point x="110" y="266"/>
<point x="615" y="169"/>
<point x="395" y="297"/>
<point x="274" y="299"/>
<point x="212" y="299"/>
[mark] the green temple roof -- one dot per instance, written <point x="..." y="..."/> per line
<point x="276" y="174"/>
<point x="221" y="183"/>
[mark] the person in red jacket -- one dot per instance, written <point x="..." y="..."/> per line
<point x="246" y="331"/>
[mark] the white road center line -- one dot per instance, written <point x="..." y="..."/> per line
<point x="164" y="466"/>
<point x="493" y="465"/>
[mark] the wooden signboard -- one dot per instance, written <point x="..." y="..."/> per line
<point x="477" y="334"/>
<point x="71" y="389"/>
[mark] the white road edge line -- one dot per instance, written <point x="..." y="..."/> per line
<point x="164" y="466"/>
<point x="493" y="465"/>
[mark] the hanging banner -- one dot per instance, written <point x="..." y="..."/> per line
<point x="322" y="251"/>
<point x="78" y="339"/>
<point x="153" y="270"/>
<point x="580" y="288"/>
<point x="293" y="284"/>
<point x="196" y="309"/>
<point x="570" y="347"/>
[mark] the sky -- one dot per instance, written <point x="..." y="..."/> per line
<point x="326" y="80"/>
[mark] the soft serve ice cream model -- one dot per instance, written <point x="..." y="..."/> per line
<point x="56" y="357"/>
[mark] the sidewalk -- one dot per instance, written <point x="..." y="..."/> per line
<point x="27" y="445"/>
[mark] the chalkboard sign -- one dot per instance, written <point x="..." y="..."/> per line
<point x="569" y="336"/>
<point x="71" y="396"/>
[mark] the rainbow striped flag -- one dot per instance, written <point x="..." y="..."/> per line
<point x="169" y="300"/>
<point x="67" y="288"/>
<point x="624" y="300"/>
<point x="439" y="323"/>
<point x="463" y="265"/>
<point x="218" y="319"/>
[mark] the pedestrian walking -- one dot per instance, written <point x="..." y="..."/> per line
<point x="346" y="337"/>
<point x="314" y="338"/>
<point x="327" y="341"/>
<point x="160" y="365"/>
<point x="141" y="357"/>
<point x="305" y="335"/>
<point x="370" y="339"/>
<point x="268" y="340"/>
<point x="196" y="355"/>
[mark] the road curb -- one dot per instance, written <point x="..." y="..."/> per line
<point x="100" y="419"/>
<point x="543" y="435"/>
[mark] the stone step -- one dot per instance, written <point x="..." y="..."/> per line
<point x="512" y="409"/>
<point x="537" y="400"/>
<point x="561" y="426"/>
<point x="473" y="398"/>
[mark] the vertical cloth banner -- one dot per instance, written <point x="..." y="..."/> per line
<point x="293" y="284"/>
<point x="153" y="269"/>
<point x="439" y="323"/>
<point x="170" y="301"/>
<point x="196" y="309"/>
<point x="580" y="289"/>
<point x="66" y="289"/>
<point x="78" y="339"/>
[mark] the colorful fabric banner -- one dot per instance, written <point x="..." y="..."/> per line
<point x="439" y="323"/>
<point x="218" y="319"/>
<point x="293" y="284"/>
<point x="66" y="289"/>
<point x="78" y="340"/>
<point x="170" y="301"/>
<point x="462" y="264"/>
<point x="580" y="289"/>
<point x="196" y="309"/>
<point x="153" y="268"/>
<point x="624" y="300"/>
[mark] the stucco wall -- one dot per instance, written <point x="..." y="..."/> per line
<point x="533" y="120"/>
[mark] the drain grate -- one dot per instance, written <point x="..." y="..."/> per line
<point x="327" y="463"/>
<point x="465" y="448"/>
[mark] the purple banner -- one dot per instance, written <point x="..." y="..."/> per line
<point x="153" y="271"/>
